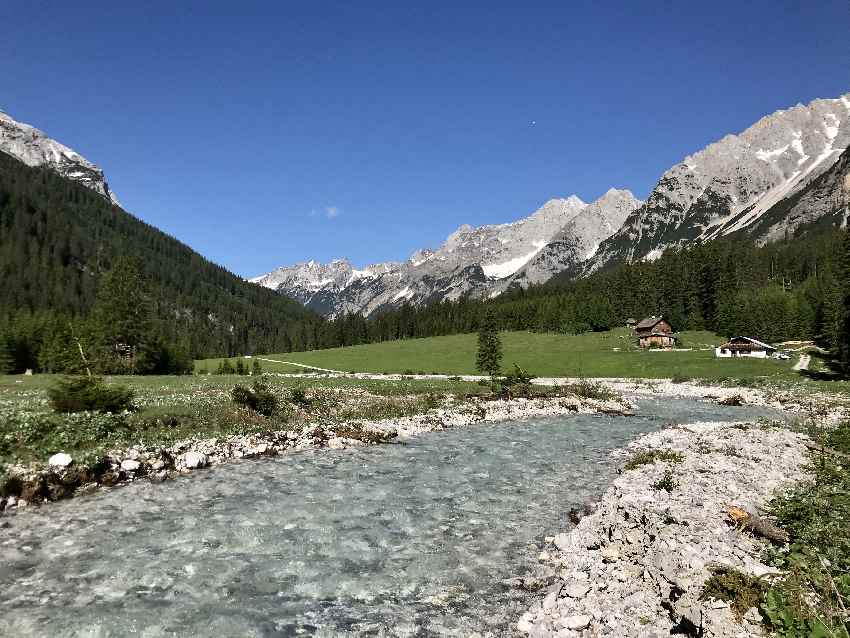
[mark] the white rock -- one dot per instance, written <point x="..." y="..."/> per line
<point x="562" y="541"/>
<point x="577" y="589"/>
<point x="130" y="465"/>
<point x="194" y="460"/>
<point x="60" y="460"/>
<point x="577" y="622"/>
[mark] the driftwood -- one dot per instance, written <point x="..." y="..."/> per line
<point x="735" y="399"/>
<point x="827" y="450"/>
<point x="752" y="522"/>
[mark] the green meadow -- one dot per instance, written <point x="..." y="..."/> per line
<point x="600" y="354"/>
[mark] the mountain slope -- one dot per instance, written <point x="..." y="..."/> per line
<point x="732" y="183"/>
<point x="57" y="237"/>
<point x="34" y="148"/>
<point x="824" y="202"/>
<point x="475" y="262"/>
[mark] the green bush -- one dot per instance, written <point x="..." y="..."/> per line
<point x="299" y="397"/>
<point x="741" y="591"/>
<point x="515" y="384"/>
<point x="89" y="394"/>
<point x="258" y="398"/>
<point x="668" y="482"/>
<point x="589" y="390"/>
<point x="646" y="457"/>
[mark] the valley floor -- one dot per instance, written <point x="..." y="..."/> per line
<point x="634" y="567"/>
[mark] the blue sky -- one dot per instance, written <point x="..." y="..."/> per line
<point x="264" y="133"/>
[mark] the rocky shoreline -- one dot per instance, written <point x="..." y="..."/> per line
<point x="63" y="477"/>
<point x="636" y="565"/>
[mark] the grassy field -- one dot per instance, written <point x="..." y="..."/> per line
<point x="601" y="354"/>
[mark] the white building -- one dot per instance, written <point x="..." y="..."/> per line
<point x="744" y="347"/>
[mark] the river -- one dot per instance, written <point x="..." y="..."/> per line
<point x="409" y="539"/>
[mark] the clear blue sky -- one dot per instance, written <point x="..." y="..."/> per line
<point x="238" y="126"/>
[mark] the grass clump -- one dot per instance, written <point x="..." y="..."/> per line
<point x="647" y="457"/>
<point x="667" y="482"/>
<point x="741" y="591"/>
<point x="89" y="394"/>
<point x="586" y="389"/>
<point x="258" y="398"/>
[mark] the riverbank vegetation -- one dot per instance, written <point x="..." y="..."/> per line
<point x="168" y="409"/>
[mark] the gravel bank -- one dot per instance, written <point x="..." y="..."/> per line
<point x="636" y="565"/>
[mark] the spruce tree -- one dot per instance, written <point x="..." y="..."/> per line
<point x="6" y="360"/>
<point x="843" y="336"/>
<point x="121" y="319"/>
<point x="489" y="360"/>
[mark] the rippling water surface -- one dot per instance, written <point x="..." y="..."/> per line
<point x="410" y="539"/>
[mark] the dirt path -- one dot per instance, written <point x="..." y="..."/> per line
<point x="803" y="363"/>
<point x="298" y="365"/>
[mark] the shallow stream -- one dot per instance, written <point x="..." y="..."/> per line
<point x="411" y="539"/>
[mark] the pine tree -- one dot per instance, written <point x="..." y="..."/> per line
<point x="843" y="336"/>
<point x="256" y="368"/>
<point x="121" y="319"/>
<point x="489" y="360"/>
<point x="6" y="361"/>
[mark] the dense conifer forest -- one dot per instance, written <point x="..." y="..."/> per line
<point x="67" y="256"/>
<point x="798" y="288"/>
<point x="57" y="241"/>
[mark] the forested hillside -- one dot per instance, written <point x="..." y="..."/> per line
<point x="57" y="238"/>
<point x="792" y="289"/>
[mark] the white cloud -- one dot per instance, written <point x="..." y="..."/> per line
<point x="331" y="212"/>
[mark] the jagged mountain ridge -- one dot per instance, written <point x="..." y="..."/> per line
<point x="732" y="183"/>
<point x="34" y="148"/>
<point x="481" y="261"/>
<point x="741" y="185"/>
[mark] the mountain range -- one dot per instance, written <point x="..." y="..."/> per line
<point x="788" y="169"/>
<point x="736" y="186"/>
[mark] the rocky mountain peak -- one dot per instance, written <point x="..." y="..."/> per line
<point x="35" y="148"/>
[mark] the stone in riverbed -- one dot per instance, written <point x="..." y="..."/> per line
<point x="577" y="622"/>
<point x="577" y="589"/>
<point x="193" y="460"/>
<point x="60" y="460"/>
<point x="130" y="465"/>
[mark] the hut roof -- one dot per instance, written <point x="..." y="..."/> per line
<point x="746" y="343"/>
<point x="649" y="322"/>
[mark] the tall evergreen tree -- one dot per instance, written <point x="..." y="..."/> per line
<point x="489" y="360"/>
<point x="843" y="337"/>
<point x="6" y="360"/>
<point x="121" y="320"/>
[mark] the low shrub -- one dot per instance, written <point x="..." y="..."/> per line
<point x="668" y="482"/>
<point x="258" y="398"/>
<point x="647" y="457"/>
<point x="298" y="396"/>
<point x="89" y="394"/>
<point x="591" y="390"/>
<point x="741" y="591"/>
<point x="515" y="384"/>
